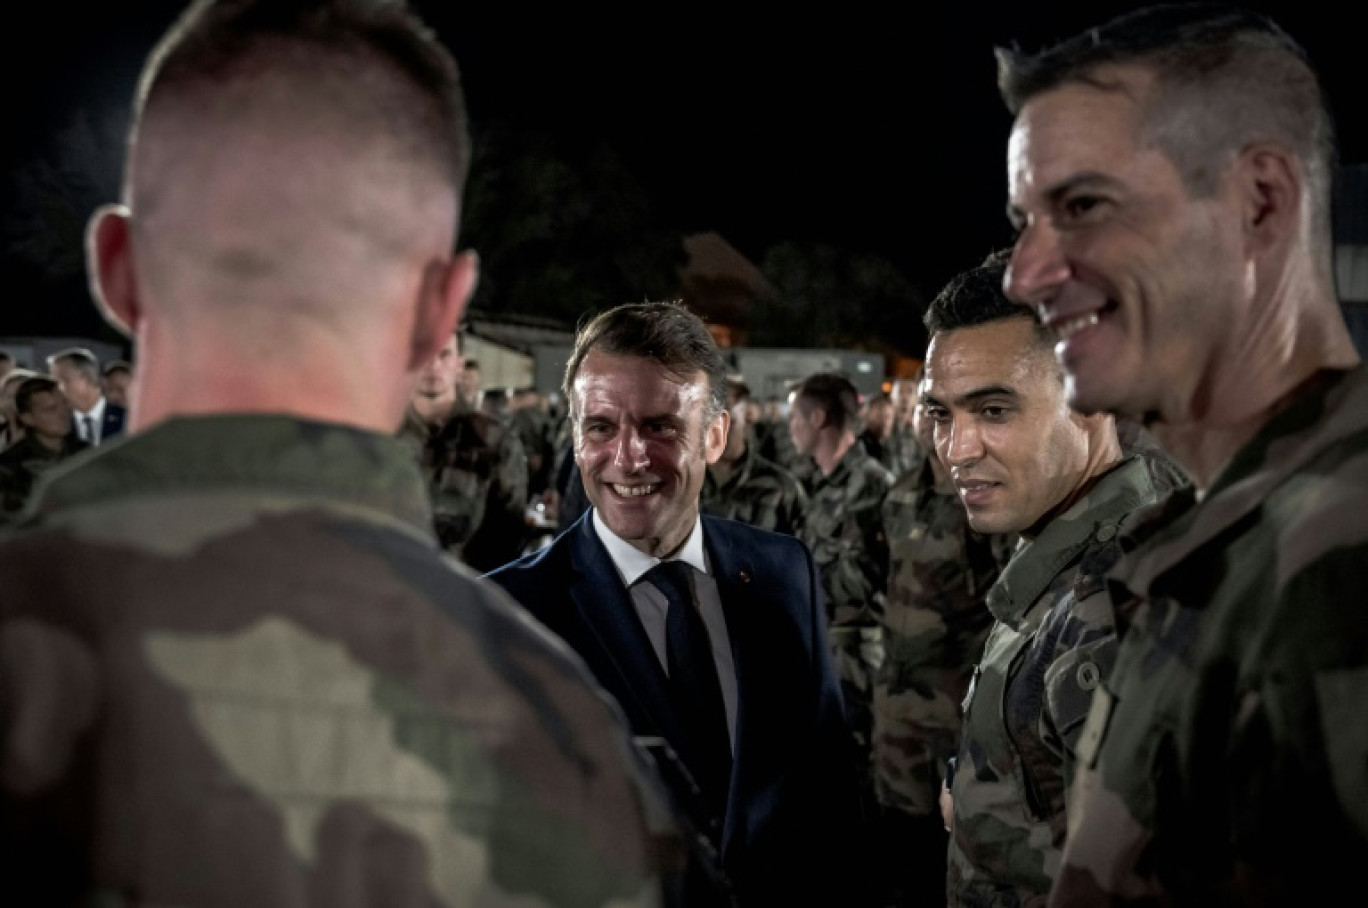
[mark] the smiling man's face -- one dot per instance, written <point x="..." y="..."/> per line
<point x="1015" y="449"/>
<point x="643" y="444"/>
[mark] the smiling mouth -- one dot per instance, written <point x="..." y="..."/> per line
<point x="1066" y="327"/>
<point x="634" y="491"/>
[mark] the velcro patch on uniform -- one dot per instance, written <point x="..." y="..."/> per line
<point x="1340" y="696"/>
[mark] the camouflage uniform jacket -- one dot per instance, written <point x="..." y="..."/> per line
<point x="238" y="670"/>
<point x="477" y="476"/>
<point x="758" y="492"/>
<point x="1226" y="759"/>
<point x="899" y="452"/>
<point x="1049" y="647"/>
<point x="843" y="527"/>
<point x="22" y="463"/>
<point x="935" y="623"/>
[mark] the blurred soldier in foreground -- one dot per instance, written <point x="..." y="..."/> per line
<point x="935" y="623"/>
<point x="1023" y="462"/>
<point x="743" y="485"/>
<point x="1170" y="175"/>
<point x="236" y="668"/>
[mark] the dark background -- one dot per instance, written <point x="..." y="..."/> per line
<point x="836" y="131"/>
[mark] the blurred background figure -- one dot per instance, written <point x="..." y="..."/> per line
<point x="935" y="623"/>
<point x="743" y="485"/>
<point x="843" y="527"/>
<point x="11" y="430"/>
<point x="116" y="380"/>
<point x="96" y="418"/>
<point x="475" y="466"/>
<point x="43" y="412"/>
<point x="888" y="439"/>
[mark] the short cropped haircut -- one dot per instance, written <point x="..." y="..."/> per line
<point x="361" y="48"/>
<point x="975" y="297"/>
<point x="80" y="359"/>
<point x="30" y="388"/>
<point x="1224" y="77"/>
<point x="118" y="365"/>
<point x="833" y="394"/>
<point x="666" y="333"/>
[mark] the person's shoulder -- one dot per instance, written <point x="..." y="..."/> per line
<point x="749" y="537"/>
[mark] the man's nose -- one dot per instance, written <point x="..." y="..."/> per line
<point x="1038" y="267"/>
<point x="631" y="451"/>
<point x="960" y="442"/>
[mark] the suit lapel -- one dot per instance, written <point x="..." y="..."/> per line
<point x="624" y="652"/>
<point x="733" y="572"/>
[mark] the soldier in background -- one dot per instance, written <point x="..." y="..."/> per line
<point x="475" y="466"/>
<point x="43" y="411"/>
<point x="888" y="439"/>
<point x="844" y="529"/>
<point x="237" y="668"/>
<point x="743" y="485"/>
<point x="935" y="623"/>
<point x="1024" y="462"/>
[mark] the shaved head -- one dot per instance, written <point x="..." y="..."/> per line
<point x="291" y="208"/>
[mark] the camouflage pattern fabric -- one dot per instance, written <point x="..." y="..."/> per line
<point x="758" y="492"/>
<point x="844" y="530"/>
<point x="477" y="476"/>
<point x="22" y="463"/>
<point x="1226" y="759"/>
<point x="238" y="670"/>
<point x="900" y="452"/>
<point x="1052" y="642"/>
<point x="935" y="623"/>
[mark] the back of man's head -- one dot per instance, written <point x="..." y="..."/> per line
<point x="835" y="396"/>
<point x="294" y="181"/>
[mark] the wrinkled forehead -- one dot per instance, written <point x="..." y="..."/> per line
<point x="635" y="386"/>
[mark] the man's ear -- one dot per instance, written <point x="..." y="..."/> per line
<point x="715" y="437"/>
<point x="446" y="290"/>
<point x="109" y="262"/>
<point x="1271" y="184"/>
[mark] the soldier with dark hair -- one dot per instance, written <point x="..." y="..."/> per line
<point x="1170" y="175"/>
<point x="844" y="529"/>
<point x="1023" y="462"/>
<point x="43" y="412"/>
<point x="743" y="485"/>
<point x="236" y="668"/>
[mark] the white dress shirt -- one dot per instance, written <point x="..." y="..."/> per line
<point x="651" y="604"/>
<point x="92" y="430"/>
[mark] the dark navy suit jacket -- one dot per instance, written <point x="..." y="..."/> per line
<point x="794" y="831"/>
<point x="111" y="424"/>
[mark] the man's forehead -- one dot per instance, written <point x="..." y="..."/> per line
<point x="1071" y="129"/>
<point x="1004" y="354"/>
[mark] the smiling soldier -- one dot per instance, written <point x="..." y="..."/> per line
<point x="1023" y="462"/>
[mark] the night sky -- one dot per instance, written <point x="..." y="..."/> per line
<point x="868" y="131"/>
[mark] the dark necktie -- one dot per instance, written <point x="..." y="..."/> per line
<point x="694" y="685"/>
<point x="89" y="425"/>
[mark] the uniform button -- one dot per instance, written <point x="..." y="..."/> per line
<point x="1088" y="675"/>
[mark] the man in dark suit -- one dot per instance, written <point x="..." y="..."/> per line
<point x="95" y="418"/>
<point x="646" y="386"/>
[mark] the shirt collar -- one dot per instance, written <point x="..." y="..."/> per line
<point x="96" y="413"/>
<point x="631" y="562"/>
